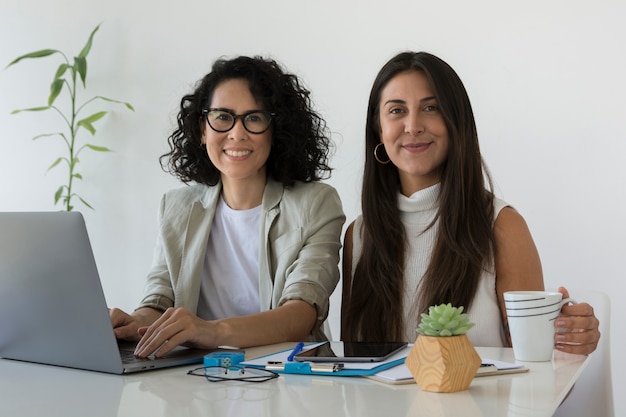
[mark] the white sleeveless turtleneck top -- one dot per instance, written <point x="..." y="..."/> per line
<point x="417" y="212"/>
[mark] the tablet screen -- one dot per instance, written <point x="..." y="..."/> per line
<point x="350" y="352"/>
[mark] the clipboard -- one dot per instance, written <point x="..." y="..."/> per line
<point x="401" y="375"/>
<point x="278" y="362"/>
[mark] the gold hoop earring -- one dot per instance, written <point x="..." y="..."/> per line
<point x="377" y="158"/>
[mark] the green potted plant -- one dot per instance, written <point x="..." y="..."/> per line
<point x="66" y="78"/>
<point x="442" y="358"/>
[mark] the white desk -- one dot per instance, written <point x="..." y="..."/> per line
<point x="38" y="390"/>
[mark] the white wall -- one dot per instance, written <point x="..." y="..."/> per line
<point x="546" y="79"/>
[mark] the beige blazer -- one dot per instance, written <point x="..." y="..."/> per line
<point x="299" y="252"/>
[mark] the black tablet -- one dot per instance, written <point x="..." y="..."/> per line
<point x="350" y="352"/>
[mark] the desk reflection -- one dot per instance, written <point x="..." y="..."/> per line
<point x="28" y="389"/>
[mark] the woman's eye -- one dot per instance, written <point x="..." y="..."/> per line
<point x="395" y="111"/>
<point x="430" y="108"/>
<point x="217" y="115"/>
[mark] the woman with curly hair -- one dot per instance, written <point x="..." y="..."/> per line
<point x="248" y="253"/>
<point x="432" y="231"/>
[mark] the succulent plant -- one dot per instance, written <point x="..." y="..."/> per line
<point x="444" y="320"/>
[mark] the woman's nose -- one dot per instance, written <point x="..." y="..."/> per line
<point x="238" y="131"/>
<point x="414" y="125"/>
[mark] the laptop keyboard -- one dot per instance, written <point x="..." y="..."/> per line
<point x="128" y="356"/>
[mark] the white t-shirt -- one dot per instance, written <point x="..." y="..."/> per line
<point x="230" y="282"/>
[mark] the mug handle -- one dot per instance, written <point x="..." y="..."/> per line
<point x="568" y="300"/>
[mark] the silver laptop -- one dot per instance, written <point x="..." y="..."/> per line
<point x="52" y="307"/>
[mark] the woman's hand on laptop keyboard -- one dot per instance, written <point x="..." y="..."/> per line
<point x="176" y="326"/>
<point x="126" y="326"/>
<point x="293" y="320"/>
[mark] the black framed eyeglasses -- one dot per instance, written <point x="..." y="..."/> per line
<point x="233" y="373"/>
<point x="254" y="121"/>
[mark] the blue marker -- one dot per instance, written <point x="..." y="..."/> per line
<point x="295" y="351"/>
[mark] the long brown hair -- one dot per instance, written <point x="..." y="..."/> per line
<point x="464" y="241"/>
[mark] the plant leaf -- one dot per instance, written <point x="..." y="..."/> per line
<point x="58" y="193"/>
<point x="110" y="100"/>
<point x="80" y="63"/>
<point x="435" y="325"/>
<point x="451" y="324"/>
<point x="61" y="70"/>
<point x="31" y="109"/>
<point x="37" y="54"/>
<point x="55" y="163"/>
<point x="84" y="202"/>
<point x="98" y="148"/>
<point x="55" y="89"/>
<point x="85" y="51"/>
<point x="92" y="118"/>
<point x="463" y="330"/>
<point x="78" y="176"/>
<point x="88" y="126"/>
<point x="87" y="122"/>
<point x="43" y="135"/>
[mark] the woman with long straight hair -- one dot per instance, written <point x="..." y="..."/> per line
<point x="431" y="229"/>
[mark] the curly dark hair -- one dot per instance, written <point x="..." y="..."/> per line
<point x="300" y="139"/>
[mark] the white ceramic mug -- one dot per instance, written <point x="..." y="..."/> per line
<point x="531" y="316"/>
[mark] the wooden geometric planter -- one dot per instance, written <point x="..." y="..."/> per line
<point x="443" y="364"/>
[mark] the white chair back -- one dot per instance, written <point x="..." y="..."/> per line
<point x="592" y="394"/>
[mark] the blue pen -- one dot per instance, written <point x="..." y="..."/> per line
<point x="295" y="351"/>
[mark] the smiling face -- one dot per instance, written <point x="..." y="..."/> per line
<point x="413" y="131"/>
<point x="239" y="155"/>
